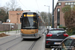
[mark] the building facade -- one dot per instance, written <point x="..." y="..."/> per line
<point x="14" y="16"/>
<point x="58" y="14"/>
<point x="66" y="0"/>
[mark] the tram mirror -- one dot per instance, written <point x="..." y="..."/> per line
<point x="20" y="19"/>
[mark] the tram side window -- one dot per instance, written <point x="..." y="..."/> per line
<point x="39" y="27"/>
<point x="41" y="24"/>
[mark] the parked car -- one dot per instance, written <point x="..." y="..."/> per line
<point x="55" y="36"/>
<point x="68" y="43"/>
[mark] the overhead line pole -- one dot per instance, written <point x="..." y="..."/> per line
<point x="53" y="14"/>
<point x="49" y="17"/>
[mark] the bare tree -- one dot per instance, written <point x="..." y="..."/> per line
<point x="18" y="9"/>
<point x="44" y="17"/>
<point x="7" y="7"/>
<point x="50" y="18"/>
<point x="12" y="5"/>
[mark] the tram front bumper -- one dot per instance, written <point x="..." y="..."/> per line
<point x="30" y="36"/>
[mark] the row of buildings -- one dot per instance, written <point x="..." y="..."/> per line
<point x="14" y="16"/>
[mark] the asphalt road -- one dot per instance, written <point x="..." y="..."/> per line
<point x="24" y="45"/>
<point x="10" y="43"/>
<point x="15" y="43"/>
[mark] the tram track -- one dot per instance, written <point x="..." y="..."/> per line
<point x="9" y="41"/>
<point x="7" y="45"/>
<point x="6" y="39"/>
<point x="18" y="44"/>
<point x="12" y="46"/>
<point x="32" y="45"/>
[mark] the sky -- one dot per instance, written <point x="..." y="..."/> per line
<point x="33" y="5"/>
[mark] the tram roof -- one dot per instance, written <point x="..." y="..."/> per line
<point x="29" y="12"/>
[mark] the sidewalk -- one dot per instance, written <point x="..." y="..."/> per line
<point x="17" y="32"/>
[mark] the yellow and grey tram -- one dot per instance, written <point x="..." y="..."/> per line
<point x="32" y="26"/>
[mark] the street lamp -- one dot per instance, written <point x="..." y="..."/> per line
<point x="48" y="12"/>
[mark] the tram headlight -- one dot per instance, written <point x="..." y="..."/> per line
<point x="36" y="30"/>
<point x="21" y="30"/>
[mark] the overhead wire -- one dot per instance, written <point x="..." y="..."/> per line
<point x="26" y="7"/>
<point x="23" y="4"/>
<point x="37" y="4"/>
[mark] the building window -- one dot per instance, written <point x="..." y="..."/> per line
<point x="58" y="16"/>
<point x="66" y="3"/>
<point x="59" y="3"/>
<point x="69" y="3"/>
<point x="74" y="3"/>
<point x="58" y="10"/>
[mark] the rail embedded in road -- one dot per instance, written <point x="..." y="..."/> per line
<point x="16" y="43"/>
